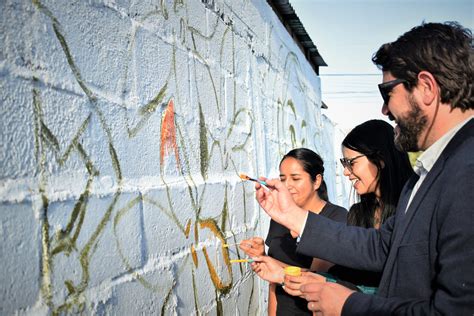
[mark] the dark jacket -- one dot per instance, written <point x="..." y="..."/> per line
<point x="426" y="254"/>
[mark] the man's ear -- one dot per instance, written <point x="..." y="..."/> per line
<point x="428" y="87"/>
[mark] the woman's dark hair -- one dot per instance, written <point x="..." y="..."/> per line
<point x="312" y="164"/>
<point x="443" y="49"/>
<point x="375" y="139"/>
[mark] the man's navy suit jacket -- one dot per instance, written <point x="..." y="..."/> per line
<point x="426" y="254"/>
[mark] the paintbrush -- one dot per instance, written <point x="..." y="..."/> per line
<point x="241" y="260"/>
<point x="243" y="176"/>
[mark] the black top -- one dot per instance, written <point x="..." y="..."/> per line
<point x="282" y="246"/>
<point x="357" y="277"/>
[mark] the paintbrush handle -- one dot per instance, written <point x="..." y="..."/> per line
<point x="241" y="260"/>
<point x="259" y="181"/>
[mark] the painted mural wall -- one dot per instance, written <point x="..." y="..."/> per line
<point x="124" y="127"/>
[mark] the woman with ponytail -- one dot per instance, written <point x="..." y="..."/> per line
<point x="302" y="172"/>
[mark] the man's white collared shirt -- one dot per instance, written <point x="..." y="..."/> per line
<point x="427" y="159"/>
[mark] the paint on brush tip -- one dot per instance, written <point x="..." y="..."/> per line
<point x="243" y="176"/>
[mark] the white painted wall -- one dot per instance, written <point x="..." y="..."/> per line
<point x="108" y="203"/>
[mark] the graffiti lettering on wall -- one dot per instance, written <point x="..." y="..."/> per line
<point x="224" y="129"/>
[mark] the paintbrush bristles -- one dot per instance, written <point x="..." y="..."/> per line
<point x="244" y="176"/>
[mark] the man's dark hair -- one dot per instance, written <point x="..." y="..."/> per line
<point x="443" y="49"/>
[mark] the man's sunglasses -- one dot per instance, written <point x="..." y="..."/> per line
<point x="387" y="87"/>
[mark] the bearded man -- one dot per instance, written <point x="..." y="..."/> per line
<point x="426" y="250"/>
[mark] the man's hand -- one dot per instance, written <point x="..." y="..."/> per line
<point x="253" y="247"/>
<point x="294" y="283"/>
<point x="268" y="268"/>
<point x="278" y="203"/>
<point x="325" y="298"/>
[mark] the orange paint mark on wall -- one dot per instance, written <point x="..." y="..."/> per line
<point x="168" y="134"/>
<point x="221" y="286"/>
<point x="194" y="255"/>
<point x="188" y="228"/>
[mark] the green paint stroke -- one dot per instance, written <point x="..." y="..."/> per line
<point x="146" y="284"/>
<point x="185" y="171"/>
<point x="38" y="115"/>
<point x="46" y="284"/>
<point x="147" y="110"/>
<point x="176" y="3"/>
<point x="44" y="138"/>
<point x="49" y="137"/>
<point x="252" y="292"/>
<point x="195" y="292"/>
<point x="117" y="219"/>
<point x="155" y="102"/>
<point x="170" y="213"/>
<point x="204" y="153"/>
<point x="225" y="210"/>
<point x="85" y="253"/>
<point x="292" y="106"/>
<point x="164" y="9"/>
<point x="77" y="145"/>
<point x="93" y="172"/>
<point x="303" y="125"/>
<point x="249" y="134"/>
<point x="206" y="65"/>
<point x="71" y="63"/>
<point x="46" y="261"/>
<point x="115" y="163"/>
<point x="292" y="135"/>
<point x="219" y="309"/>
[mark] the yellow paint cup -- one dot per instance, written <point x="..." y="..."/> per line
<point x="293" y="271"/>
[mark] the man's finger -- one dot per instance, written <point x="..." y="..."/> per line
<point x="311" y="287"/>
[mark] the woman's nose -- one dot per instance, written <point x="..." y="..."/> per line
<point x="346" y="172"/>
<point x="288" y="183"/>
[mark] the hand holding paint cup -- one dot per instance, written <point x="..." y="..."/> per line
<point x="293" y="271"/>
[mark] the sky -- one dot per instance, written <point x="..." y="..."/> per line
<point x="348" y="32"/>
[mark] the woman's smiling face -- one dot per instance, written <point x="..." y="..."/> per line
<point x="298" y="181"/>
<point x="362" y="173"/>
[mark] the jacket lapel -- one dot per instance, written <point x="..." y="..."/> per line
<point x="403" y="219"/>
<point x="430" y="178"/>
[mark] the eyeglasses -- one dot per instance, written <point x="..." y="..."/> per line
<point x="348" y="162"/>
<point x="387" y="87"/>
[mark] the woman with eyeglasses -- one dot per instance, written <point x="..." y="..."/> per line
<point x="377" y="171"/>
<point x="301" y="170"/>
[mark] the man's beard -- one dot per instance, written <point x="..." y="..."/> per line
<point x="410" y="127"/>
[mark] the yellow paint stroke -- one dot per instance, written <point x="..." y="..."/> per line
<point x="194" y="255"/>
<point x="212" y="226"/>
<point x="168" y="134"/>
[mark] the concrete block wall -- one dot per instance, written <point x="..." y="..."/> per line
<point x="125" y="125"/>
